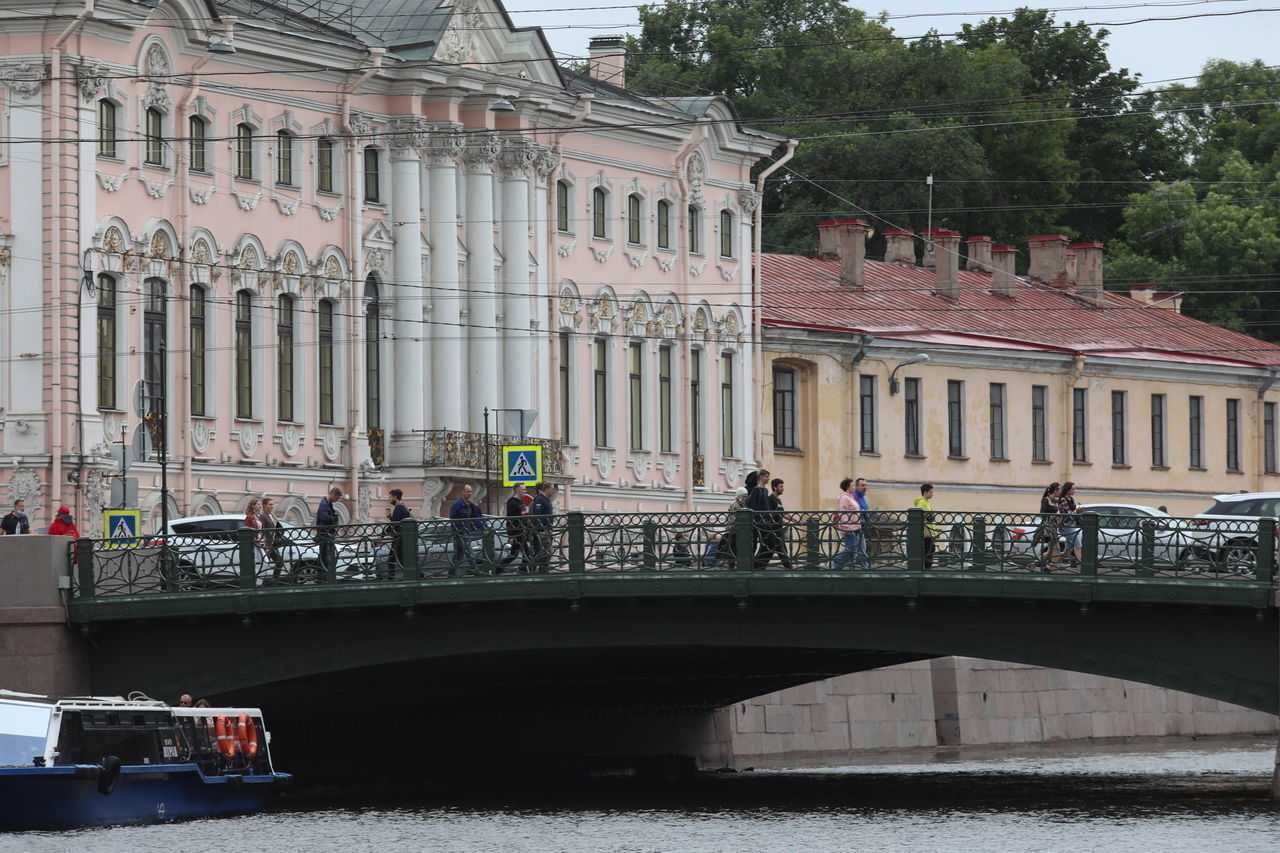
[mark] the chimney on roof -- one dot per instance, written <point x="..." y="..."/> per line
<point x="1048" y="257"/>
<point x="1004" y="282"/>
<point x="900" y="246"/>
<point x="946" y="254"/>
<point x="1088" y="272"/>
<point x="608" y="62"/>
<point x="979" y="254"/>
<point x="1143" y="293"/>
<point x="1070" y="256"/>
<point x="845" y="239"/>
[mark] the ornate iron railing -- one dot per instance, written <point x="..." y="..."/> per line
<point x="699" y="470"/>
<point x="851" y="544"/>
<point x="377" y="446"/>
<point x="442" y="448"/>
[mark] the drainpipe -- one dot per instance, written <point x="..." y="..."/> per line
<point x="58" y="162"/>
<point x="1068" y="420"/>
<point x="757" y="269"/>
<point x="1259" y="407"/>
<point x="353" y="254"/>
<point x="851" y="437"/>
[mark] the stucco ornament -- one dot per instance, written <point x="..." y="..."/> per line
<point x="604" y="461"/>
<point x="458" y="43"/>
<point x="364" y="502"/>
<point x="290" y="439"/>
<point x="482" y="151"/>
<point x="519" y="154"/>
<point x="360" y="124"/>
<point x="331" y="445"/>
<point x="332" y="269"/>
<point x="201" y="434"/>
<point x="696" y="173"/>
<point x="161" y="248"/>
<point x="91" y="80"/>
<point x="443" y="147"/>
<point x="200" y="253"/>
<point x="112" y="427"/>
<point x="24" y="81"/>
<point x="291" y="265"/>
<point x="570" y="308"/>
<point x="730" y="327"/>
<point x="670" y="465"/>
<point x="24" y="485"/>
<point x="639" y="465"/>
<point x="406" y="135"/>
<point x="248" y="440"/>
<point x="547" y="162"/>
<point x="157" y="62"/>
<point x="97" y="492"/>
<point x="249" y="258"/>
<point x="201" y="196"/>
<point x="748" y="200"/>
<point x="113" y="240"/>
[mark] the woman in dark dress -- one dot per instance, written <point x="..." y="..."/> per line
<point x="1047" y="534"/>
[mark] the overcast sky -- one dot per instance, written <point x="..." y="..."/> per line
<point x="1158" y="50"/>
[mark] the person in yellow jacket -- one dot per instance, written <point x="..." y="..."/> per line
<point x="931" y="530"/>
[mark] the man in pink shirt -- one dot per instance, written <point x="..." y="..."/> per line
<point x="849" y="519"/>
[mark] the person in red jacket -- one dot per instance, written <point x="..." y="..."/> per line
<point x="64" y="525"/>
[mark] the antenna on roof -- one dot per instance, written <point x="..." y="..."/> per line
<point x="928" y="233"/>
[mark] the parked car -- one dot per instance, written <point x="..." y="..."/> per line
<point x="436" y="551"/>
<point x="206" y="552"/>
<point x="1234" y="519"/>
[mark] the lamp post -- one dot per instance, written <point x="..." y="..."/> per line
<point x="893" y="377"/>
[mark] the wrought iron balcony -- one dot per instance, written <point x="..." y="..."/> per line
<point x="442" y="448"/>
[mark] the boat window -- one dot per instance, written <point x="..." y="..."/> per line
<point x="23" y="728"/>
<point x="89" y="736"/>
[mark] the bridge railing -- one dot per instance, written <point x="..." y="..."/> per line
<point x="881" y="541"/>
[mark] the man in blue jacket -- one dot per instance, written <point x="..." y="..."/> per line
<point x="467" y="520"/>
<point x="541" y="510"/>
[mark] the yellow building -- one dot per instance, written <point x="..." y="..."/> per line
<point x="1028" y="380"/>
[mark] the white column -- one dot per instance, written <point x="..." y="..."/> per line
<point x="544" y="295"/>
<point x="405" y="289"/>
<point x="748" y="198"/>
<point x="448" y="354"/>
<point x="518" y="380"/>
<point x="26" y="279"/>
<point x="484" y="355"/>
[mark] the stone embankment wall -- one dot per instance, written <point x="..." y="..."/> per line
<point x="963" y="701"/>
<point x="37" y="652"/>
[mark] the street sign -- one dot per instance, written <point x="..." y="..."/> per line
<point x="142" y="444"/>
<point x="518" y="421"/>
<point x="121" y="527"/>
<point x="122" y="455"/>
<point x="521" y="464"/>
<point x="124" y="491"/>
<point x="140" y="398"/>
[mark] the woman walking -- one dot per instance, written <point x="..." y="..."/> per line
<point x="1070" y="525"/>
<point x="1047" y="533"/>
<point x="252" y="520"/>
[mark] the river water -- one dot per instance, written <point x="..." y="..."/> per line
<point x="1183" y="797"/>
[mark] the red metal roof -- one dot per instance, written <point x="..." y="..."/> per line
<point x="898" y="301"/>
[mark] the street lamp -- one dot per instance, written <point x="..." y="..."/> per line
<point x="893" y="377"/>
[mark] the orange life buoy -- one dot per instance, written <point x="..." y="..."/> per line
<point x="226" y="736"/>
<point x="248" y="736"/>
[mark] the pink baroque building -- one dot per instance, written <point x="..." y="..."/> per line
<point x="331" y="235"/>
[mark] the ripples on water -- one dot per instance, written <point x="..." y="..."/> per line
<point x="1195" y="799"/>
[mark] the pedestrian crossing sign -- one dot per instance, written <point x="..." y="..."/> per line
<point x="121" y="527"/>
<point x="521" y="465"/>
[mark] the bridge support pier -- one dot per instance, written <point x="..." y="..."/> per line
<point x="38" y="652"/>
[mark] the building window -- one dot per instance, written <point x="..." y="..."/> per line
<point x="997" y="421"/>
<point x="372" y="175"/>
<point x="154" y="328"/>
<point x="867" y="413"/>
<point x="324" y="165"/>
<point x="106" y="342"/>
<point x="244" y="354"/>
<point x="1195" y="427"/>
<point x="600" y="379"/>
<point x="197" y="144"/>
<point x="635" y="379"/>
<point x="284" y="158"/>
<point x="1119" y="428"/>
<point x="1079" y="425"/>
<point x="154" y="154"/>
<point x="784" y="408"/>
<point x="664" y="225"/>
<point x="284" y="357"/>
<point x="1233" y="435"/>
<point x="955" y="418"/>
<point x="244" y="152"/>
<point x="664" y="400"/>
<point x="372" y="356"/>
<point x="695" y="401"/>
<point x="1269" y="438"/>
<point x="911" y="415"/>
<point x="566" y="388"/>
<point x="726" y="234"/>
<point x="599" y="213"/>
<point x="633" y="219"/>
<point x="1039" y="423"/>
<point x="695" y="230"/>
<point x="562" y="206"/>
<point x="727" y="446"/>
<point x="1158" y="459"/>
<point x="325" y="360"/>
<point x="108" y="115"/>
<point x="198" y="316"/>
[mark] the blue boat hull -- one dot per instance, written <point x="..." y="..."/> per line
<point x="67" y="796"/>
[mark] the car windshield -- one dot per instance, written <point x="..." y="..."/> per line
<point x="1252" y="507"/>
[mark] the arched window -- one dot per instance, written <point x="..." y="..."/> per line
<point x="155" y="138"/>
<point x="108" y="115"/>
<point x="244" y="152"/>
<point x="633" y="218"/>
<point x="695" y="230"/>
<point x="244" y="354"/>
<point x="599" y="213"/>
<point x="562" y="206"/>
<point x="372" y="356"/>
<point x="284" y="357"/>
<point x="664" y="225"/>
<point x="324" y="343"/>
<point x="155" y="340"/>
<point x="106" y="342"/>
<point x="324" y="165"/>
<point x="198" y="316"/>
<point x="284" y="158"/>
<point x="372" y="175"/>
<point x="197" y="144"/>
<point x="726" y="234"/>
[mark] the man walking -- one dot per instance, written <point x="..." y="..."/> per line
<point x="541" y="522"/>
<point x="16" y="520"/>
<point x="849" y="521"/>
<point x="517" y="509"/>
<point x="467" y="518"/>
<point x="931" y="530"/>
<point x="326" y="522"/>
<point x="396" y="513"/>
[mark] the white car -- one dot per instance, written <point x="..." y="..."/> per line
<point x="1234" y="519"/>
<point x="206" y="552"/>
